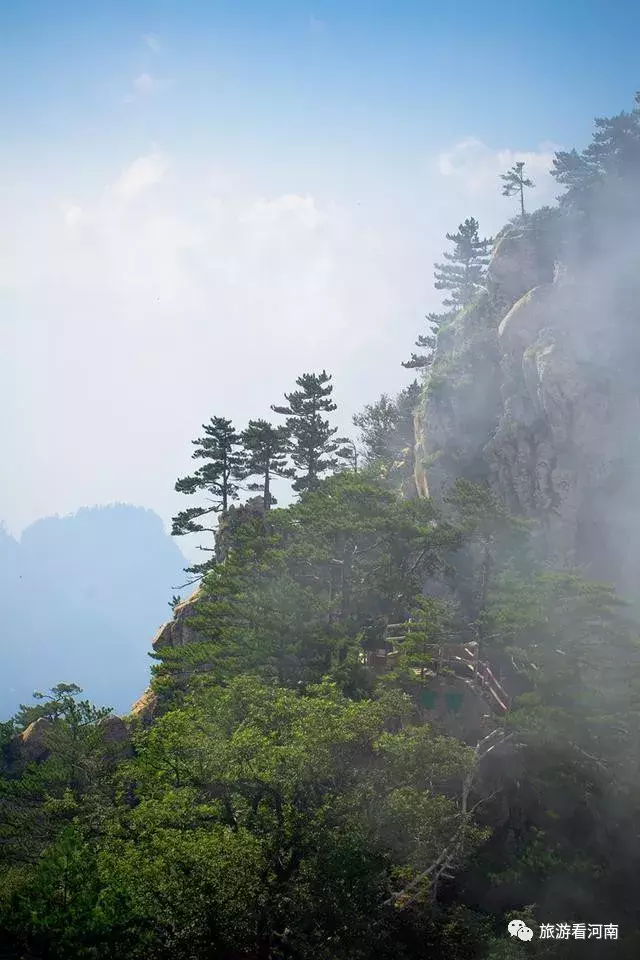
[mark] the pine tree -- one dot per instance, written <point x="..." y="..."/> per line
<point x="615" y="149"/>
<point x="613" y="156"/>
<point x="265" y="452"/>
<point x="464" y="273"/>
<point x="315" y="449"/>
<point x="515" y="182"/>
<point x="427" y="341"/>
<point x="217" y="477"/>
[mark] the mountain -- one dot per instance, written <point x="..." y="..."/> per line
<point x="534" y="390"/>
<point x="80" y="599"/>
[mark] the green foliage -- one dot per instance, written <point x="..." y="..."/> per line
<point x="614" y="154"/>
<point x="217" y="477"/>
<point x="298" y="587"/>
<point x="433" y="621"/>
<point x="314" y="449"/>
<point x="285" y="804"/>
<point x="600" y="203"/>
<point x="428" y="341"/>
<point x="386" y="429"/>
<point x="515" y="182"/>
<point x="463" y="274"/>
<point x="265" y="455"/>
<point x="51" y="802"/>
<point x="264" y="820"/>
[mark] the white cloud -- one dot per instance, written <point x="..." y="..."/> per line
<point x="285" y="214"/>
<point x="73" y="215"/>
<point x="161" y="300"/>
<point x="145" y="85"/>
<point x="152" y="41"/>
<point x="137" y="310"/>
<point x="139" y="176"/>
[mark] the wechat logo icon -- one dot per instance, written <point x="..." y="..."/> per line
<point x="518" y="928"/>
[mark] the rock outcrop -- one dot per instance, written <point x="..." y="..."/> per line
<point x="534" y="390"/>
<point x="32" y="745"/>
<point x="39" y="741"/>
<point x="178" y="631"/>
<point x="145" y="707"/>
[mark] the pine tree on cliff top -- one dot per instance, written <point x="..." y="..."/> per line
<point x="314" y="449"/>
<point x="462" y="276"/>
<point x="464" y="273"/>
<point x="265" y="451"/>
<point x="515" y="182"/>
<point x="217" y="478"/>
<point x="613" y="157"/>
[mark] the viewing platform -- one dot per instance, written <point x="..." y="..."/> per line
<point x="461" y="661"/>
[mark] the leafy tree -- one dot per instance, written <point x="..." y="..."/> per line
<point x="377" y="423"/>
<point x="433" y="621"/>
<point x="464" y="272"/>
<point x="265" y="455"/>
<point x="386" y="427"/>
<point x="218" y="477"/>
<point x="270" y="823"/>
<point x="515" y="183"/>
<point x="298" y="587"/>
<point x="314" y="446"/>
<point x="494" y="541"/>
<point x="367" y="547"/>
<point x="49" y="800"/>
<point x="576" y="658"/>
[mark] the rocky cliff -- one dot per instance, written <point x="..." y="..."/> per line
<point x="534" y="389"/>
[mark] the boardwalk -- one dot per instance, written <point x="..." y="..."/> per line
<point x="463" y="660"/>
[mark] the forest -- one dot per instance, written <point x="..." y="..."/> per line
<point x="293" y="793"/>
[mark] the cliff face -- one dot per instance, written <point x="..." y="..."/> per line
<point x="534" y="389"/>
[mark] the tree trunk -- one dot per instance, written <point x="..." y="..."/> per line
<point x="267" y="492"/>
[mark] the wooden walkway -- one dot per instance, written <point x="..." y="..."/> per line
<point x="463" y="660"/>
<point x="446" y="864"/>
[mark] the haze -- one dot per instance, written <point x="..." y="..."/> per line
<point x="197" y="206"/>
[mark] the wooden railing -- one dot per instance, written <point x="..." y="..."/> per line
<point x="462" y="658"/>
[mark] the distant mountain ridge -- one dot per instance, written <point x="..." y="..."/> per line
<point x="80" y="599"/>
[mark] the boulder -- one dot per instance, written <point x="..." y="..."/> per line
<point x="30" y="746"/>
<point x="114" y="730"/>
<point x="516" y="265"/>
<point x="177" y="632"/>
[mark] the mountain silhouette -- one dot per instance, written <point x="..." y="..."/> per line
<point x="80" y="599"/>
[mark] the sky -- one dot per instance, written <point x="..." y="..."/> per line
<point x="199" y="201"/>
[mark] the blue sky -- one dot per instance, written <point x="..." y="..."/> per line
<point x="200" y="200"/>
